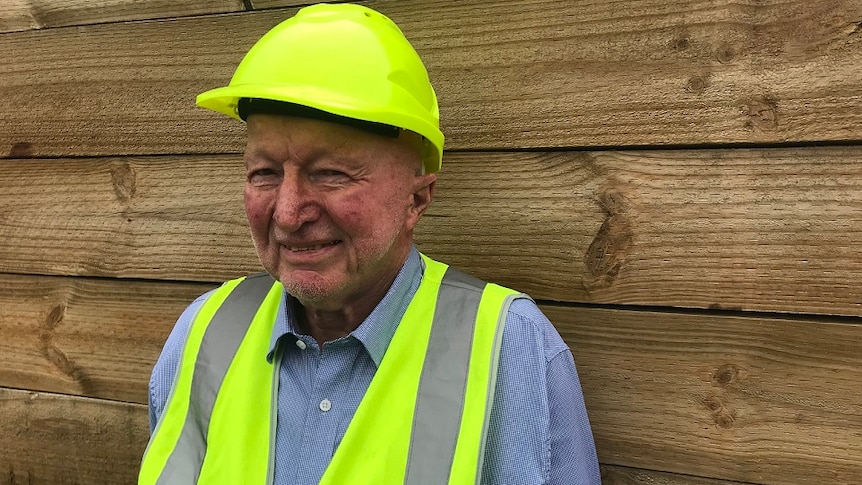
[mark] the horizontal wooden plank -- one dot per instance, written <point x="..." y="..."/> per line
<point x="618" y="475"/>
<point x="508" y="74"/>
<point x="170" y="218"/>
<point x="770" y="229"/>
<point x="726" y="397"/>
<point x="89" y="337"/>
<point x="589" y="73"/>
<point x="737" y="398"/>
<point x="38" y="14"/>
<point x="41" y="447"/>
<point x="51" y="439"/>
<point x="56" y="439"/>
<point x="268" y="4"/>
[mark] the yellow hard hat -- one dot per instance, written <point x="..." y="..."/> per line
<point x="342" y="62"/>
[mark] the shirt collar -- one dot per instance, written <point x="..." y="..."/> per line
<point x="376" y="331"/>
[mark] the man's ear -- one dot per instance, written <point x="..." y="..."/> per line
<point x="423" y="194"/>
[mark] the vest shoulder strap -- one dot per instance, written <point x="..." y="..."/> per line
<point x="178" y="448"/>
<point x="425" y="415"/>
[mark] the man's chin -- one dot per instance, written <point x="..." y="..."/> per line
<point x="309" y="291"/>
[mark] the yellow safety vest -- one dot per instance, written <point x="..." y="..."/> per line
<point x="423" y="419"/>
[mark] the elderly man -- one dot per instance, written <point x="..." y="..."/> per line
<point x="355" y="359"/>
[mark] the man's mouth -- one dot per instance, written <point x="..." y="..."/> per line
<point x="312" y="248"/>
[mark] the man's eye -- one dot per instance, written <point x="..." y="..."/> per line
<point x="263" y="177"/>
<point x="329" y="176"/>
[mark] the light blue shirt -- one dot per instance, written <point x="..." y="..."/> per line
<point x="538" y="434"/>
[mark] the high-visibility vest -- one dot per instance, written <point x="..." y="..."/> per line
<point x="423" y="419"/>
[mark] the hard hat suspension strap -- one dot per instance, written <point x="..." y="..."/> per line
<point x="249" y="106"/>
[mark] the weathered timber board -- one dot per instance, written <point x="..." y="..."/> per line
<point x="51" y="439"/>
<point x="170" y="218"/>
<point x="728" y="397"/>
<point x="618" y="475"/>
<point x="89" y="337"/>
<point x="765" y="229"/>
<point x="749" y="399"/>
<point x="58" y="440"/>
<point x="771" y="230"/>
<point x="508" y="74"/>
<point x="267" y="4"/>
<point x="39" y="14"/>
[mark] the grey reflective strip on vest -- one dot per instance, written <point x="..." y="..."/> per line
<point x="222" y="338"/>
<point x="443" y="383"/>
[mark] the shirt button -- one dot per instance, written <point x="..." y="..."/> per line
<point x="300" y="344"/>
<point x="325" y="405"/>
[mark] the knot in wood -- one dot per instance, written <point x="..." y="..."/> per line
<point x="725" y="374"/>
<point x="721" y="415"/>
<point x="124" y="180"/>
<point x="55" y="316"/>
<point x="680" y="42"/>
<point x="713" y="404"/>
<point x="613" y="201"/>
<point x="725" y="53"/>
<point x="21" y="149"/>
<point x="697" y="84"/>
<point x="762" y="113"/>
<point x="723" y="420"/>
<point x="610" y="247"/>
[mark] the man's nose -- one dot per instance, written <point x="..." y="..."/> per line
<point x="297" y="203"/>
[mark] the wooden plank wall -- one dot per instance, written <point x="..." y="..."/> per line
<point x="678" y="183"/>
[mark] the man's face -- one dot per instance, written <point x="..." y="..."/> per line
<point x="332" y="208"/>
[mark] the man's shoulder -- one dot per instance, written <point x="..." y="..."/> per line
<point x="175" y="342"/>
<point x="527" y="327"/>
<point x="165" y="368"/>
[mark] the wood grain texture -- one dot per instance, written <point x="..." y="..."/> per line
<point x="746" y="229"/>
<point x="269" y="4"/>
<point x="770" y="230"/>
<point x="508" y="74"/>
<point x="51" y="439"/>
<point x="88" y="337"/>
<point x="583" y="73"/>
<point x="101" y="442"/>
<point x="738" y="398"/>
<point x="618" y="475"/>
<point x="39" y="14"/>
<point x="159" y="217"/>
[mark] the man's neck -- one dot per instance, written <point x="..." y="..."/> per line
<point x="331" y="321"/>
<point x="326" y="326"/>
